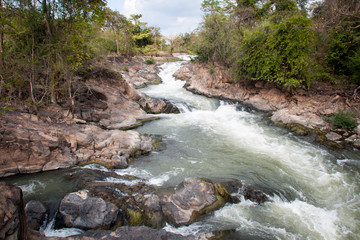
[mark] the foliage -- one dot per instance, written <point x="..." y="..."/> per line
<point x="278" y="53"/>
<point x="46" y="44"/>
<point x="149" y="61"/>
<point x="343" y="120"/>
<point x="280" y="42"/>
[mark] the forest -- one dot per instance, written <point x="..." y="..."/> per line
<point x="290" y="43"/>
<point x="45" y="45"/>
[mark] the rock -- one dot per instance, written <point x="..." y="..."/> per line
<point x="13" y="224"/>
<point x="357" y="143"/>
<point x="332" y="136"/>
<point x="35" y="212"/>
<point x="194" y="198"/>
<point x="254" y="195"/>
<point x="352" y="138"/>
<point x="357" y="130"/>
<point x="80" y="210"/>
<point x="291" y="116"/>
<point x="153" y="214"/>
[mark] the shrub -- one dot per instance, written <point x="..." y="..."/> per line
<point x="125" y="69"/>
<point x="342" y="119"/>
<point x="278" y="53"/>
<point x="149" y="61"/>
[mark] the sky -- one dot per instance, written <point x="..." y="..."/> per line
<point x="172" y="16"/>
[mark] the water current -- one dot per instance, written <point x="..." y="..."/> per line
<point x="316" y="192"/>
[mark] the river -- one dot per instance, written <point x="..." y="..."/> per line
<point x="315" y="192"/>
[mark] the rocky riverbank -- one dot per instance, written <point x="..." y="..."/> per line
<point x="96" y="130"/>
<point x="302" y="111"/>
<point x="92" y="130"/>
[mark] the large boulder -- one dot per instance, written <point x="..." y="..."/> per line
<point x="36" y="213"/>
<point x="194" y="198"/>
<point x="80" y="210"/>
<point x="13" y="224"/>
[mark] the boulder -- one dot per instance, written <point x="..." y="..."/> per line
<point x="36" y="213"/>
<point x="80" y="210"/>
<point x="332" y="136"/>
<point x="194" y="198"/>
<point x="357" y="130"/>
<point x="13" y="224"/>
<point x="153" y="214"/>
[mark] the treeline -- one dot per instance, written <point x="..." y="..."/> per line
<point x="45" y="45"/>
<point x="290" y="43"/>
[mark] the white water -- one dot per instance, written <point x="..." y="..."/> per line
<point x="316" y="193"/>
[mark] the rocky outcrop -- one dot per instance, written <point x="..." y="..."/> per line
<point x="300" y="107"/>
<point x="36" y="213"/>
<point x="13" y="224"/>
<point x="195" y="198"/>
<point x="80" y="210"/>
<point x="31" y="144"/>
<point x="135" y="72"/>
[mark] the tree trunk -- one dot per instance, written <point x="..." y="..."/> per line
<point x="117" y="47"/>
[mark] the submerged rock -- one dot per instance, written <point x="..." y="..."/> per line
<point x="80" y="210"/>
<point x="36" y="213"/>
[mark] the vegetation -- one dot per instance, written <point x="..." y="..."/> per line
<point x="149" y="61"/>
<point x="48" y="45"/>
<point x="286" y="42"/>
<point x="343" y="120"/>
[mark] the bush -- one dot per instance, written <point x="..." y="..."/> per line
<point x="278" y="53"/>
<point x="149" y="61"/>
<point x="343" y="120"/>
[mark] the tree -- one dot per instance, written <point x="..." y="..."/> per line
<point x="44" y="43"/>
<point x="122" y="31"/>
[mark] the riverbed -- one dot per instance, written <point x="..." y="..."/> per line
<point x="314" y="192"/>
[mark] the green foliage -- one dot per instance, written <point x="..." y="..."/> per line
<point x="277" y="41"/>
<point x="149" y="61"/>
<point x="125" y="69"/>
<point x="343" y="120"/>
<point x="278" y="53"/>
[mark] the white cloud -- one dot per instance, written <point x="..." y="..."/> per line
<point x="130" y="7"/>
<point x="172" y="16"/>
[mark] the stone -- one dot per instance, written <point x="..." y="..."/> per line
<point x="357" y="130"/>
<point x="13" y="224"/>
<point x="153" y="214"/>
<point x="332" y="136"/>
<point x="35" y="212"/>
<point x="80" y="210"/>
<point x="195" y="198"/>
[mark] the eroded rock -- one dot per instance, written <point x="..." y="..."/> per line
<point x="36" y="213"/>
<point x="80" y="210"/>
<point x="194" y="198"/>
<point x="13" y="224"/>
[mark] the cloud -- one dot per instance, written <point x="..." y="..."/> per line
<point x="130" y="7"/>
<point x="172" y="16"/>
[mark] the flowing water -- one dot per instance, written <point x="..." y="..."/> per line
<point x="316" y="193"/>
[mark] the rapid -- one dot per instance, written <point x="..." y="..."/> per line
<point x="315" y="192"/>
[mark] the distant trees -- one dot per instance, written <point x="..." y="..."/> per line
<point x="279" y="41"/>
